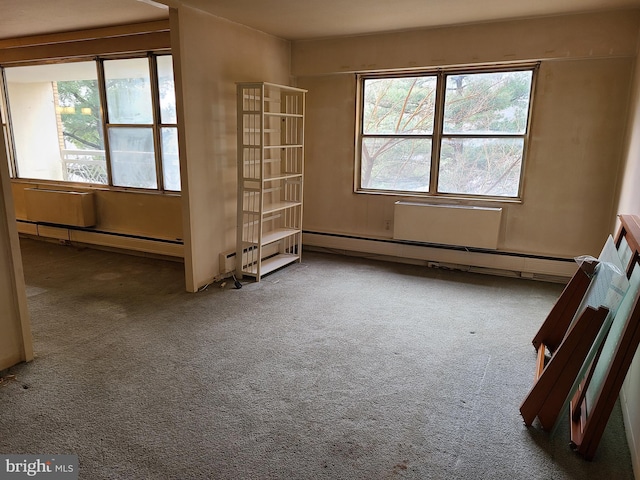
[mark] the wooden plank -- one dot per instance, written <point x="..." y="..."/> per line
<point x="550" y="391"/>
<point x="87" y="34"/>
<point x="588" y="421"/>
<point x="572" y="364"/>
<point x="150" y="41"/>
<point x="557" y="322"/>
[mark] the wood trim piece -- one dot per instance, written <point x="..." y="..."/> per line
<point x="559" y="319"/>
<point x="546" y="397"/>
<point x="589" y="421"/>
<point x="87" y="48"/>
<point x="83" y="35"/>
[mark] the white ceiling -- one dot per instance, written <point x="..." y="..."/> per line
<point x="298" y="19"/>
<point x="291" y="19"/>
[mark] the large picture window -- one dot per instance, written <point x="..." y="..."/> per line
<point x="105" y="122"/>
<point x="452" y="132"/>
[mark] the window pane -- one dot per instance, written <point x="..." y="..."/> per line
<point x="133" y="161"/>
<point x="396" y="164"/>
<point x="170" y="162"/>
<point x="399" y="105"/>
<point x="61" y="105"/>
<point x="167" y="90"/>
<point x="486" y="103"/>
<point x="128" y="91"/>
<point x="481" y="166"/>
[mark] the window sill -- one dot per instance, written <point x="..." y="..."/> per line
<point x="448" y="199"/>
<point x="91" y="187"/>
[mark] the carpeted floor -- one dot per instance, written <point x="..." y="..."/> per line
<point x="336" y="368"/>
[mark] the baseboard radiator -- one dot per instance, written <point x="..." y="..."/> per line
<point x="228" y="259"/>
<point x="110" y="240"/>
<point x="459" y="225"/>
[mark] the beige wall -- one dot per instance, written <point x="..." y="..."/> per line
<point x="213" y="55"/>
<point x="15" y="340"/>
<point x="630" y="204"/>
<point x="32" y="110"/>
<point x="577" y="131"/>
<point x="572" y="36"/>
<point x="154" y="217"/>
<point x="150" y="215"/>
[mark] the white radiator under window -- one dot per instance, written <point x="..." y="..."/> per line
<point x="459" y="225"/>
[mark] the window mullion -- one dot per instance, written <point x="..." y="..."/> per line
<point x="397" y="135"/>
<point x="155" y="103"/>
<point x="102" y="88"/>
<point x="483" y="135"/>
<point x="5" y="124"/>
<point x="437" y="133"/>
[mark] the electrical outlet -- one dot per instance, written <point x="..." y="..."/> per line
<point x="387" y="225"/>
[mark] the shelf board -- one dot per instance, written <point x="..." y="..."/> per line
<point x="278" y="234"/>
<point x="272" y="178"/>
<point x="272" y="263"/>
<point x="255" y="147"/>
<point x="281" y="114"/>
<point x="270" y="87"/>
<point x="283" y="146"/>
<point x="248" y="96"/>
<point x="272" y="114"/>
<point x="273" y="236"/>
<point x="274" y="207"/>
<point x="256" y="162"/>
<point x="282" y="176"/>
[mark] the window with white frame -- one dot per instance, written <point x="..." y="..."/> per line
<point x="106" y="122"/>
<point x="457" y="132"/>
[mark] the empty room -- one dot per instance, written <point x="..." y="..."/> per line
<point x="297" y="239"/>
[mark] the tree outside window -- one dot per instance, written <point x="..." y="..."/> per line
<point x="461" y="133"/>
<point x="58" y="127"/>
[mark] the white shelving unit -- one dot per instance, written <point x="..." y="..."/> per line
<point x="270" y="177"/>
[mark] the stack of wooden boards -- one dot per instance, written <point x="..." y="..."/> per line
<point x="587" y="342"/>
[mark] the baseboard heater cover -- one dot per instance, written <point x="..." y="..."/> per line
<point x="228" y="259"/>
<point x="87" y="236"/>
<point x="530" y="266"/>
<point x="460" y="225"/>
<point x="60" y="207"/>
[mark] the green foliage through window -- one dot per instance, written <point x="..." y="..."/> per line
<point x="70" y="112"/>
